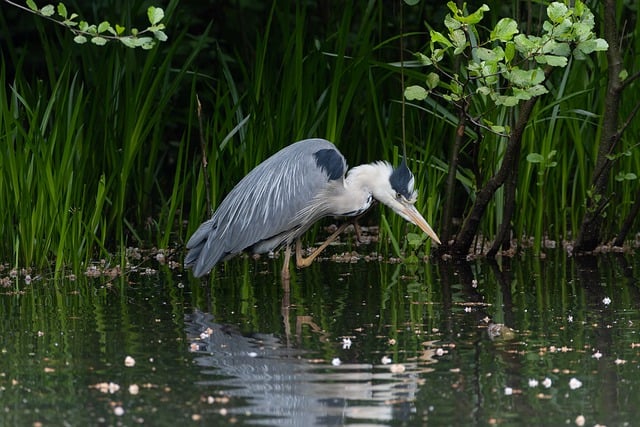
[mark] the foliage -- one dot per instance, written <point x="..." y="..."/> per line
<point x="101" y="145"/>
<point x="506" y="67"/>
<point x="103" y="32"/>
<point x="482" y="73"/>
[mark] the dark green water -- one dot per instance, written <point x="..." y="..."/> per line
<point x="234" y="350"/>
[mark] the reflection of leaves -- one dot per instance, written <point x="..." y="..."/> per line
<point x="411" y="259"/>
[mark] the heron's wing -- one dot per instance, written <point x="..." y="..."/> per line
<point x="266" y="203"/>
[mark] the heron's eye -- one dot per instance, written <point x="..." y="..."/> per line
<point x="398" y="196"/>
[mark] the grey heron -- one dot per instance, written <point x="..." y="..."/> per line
<point x="285" y="195"/>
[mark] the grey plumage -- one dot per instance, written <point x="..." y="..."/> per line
<point x="284" y="195"/>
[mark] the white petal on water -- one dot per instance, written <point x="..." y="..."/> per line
<point x="574" y="383"/>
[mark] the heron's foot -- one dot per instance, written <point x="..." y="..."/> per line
<point x="358" y="232"/>
<point x="302" y="262"/>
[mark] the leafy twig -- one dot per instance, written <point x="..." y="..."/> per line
<point x="103" y="32"/>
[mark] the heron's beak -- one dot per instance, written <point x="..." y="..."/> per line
<point x="414" y="216"/>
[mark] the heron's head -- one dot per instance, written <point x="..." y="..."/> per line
<point x="396" y="190"/>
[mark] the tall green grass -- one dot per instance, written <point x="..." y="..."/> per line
<point x="86" y="148"/>
<point x="101" y="147"/>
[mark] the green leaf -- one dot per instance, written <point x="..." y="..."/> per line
<point x="483" y="90"/>
<point x="155" y="14"/>
<point x="521" y="94"/>
<point x="554" y="61"/>
<point x="82" y="26"/>
<point x="424" y="59"/>
<point x="507" y="101"/>
<point x="592" y="45"/>
<point x="160" y="35"/>
<point x="525" y="78"/>
<point x="492" y="55"/>
<point x="119" y="29"/>
<point x="622" y="75"/>
<point x="437" y="55"/>
<point x="537" y="90"/>
<point x="48" y="10"/>
<point x="475" y="17"/>
<point x="557" y="12"/>
<point x="527" y="44"/>
<point x="556" y="48"/>
<point x="451" y="23"/>
<point x="453" y="8"/>
<point x="583" y="30"/>
<point x="417" y="93"/>
<point x="128" y="41"/>
<point x="145" y="42"/>
<point x="535" y="158"/>
<point x="432" y="81"/>
<point x="32" y="5"/>
<point x="103" y="26"/>
<point x="62" y="10"/>
<point x="80" y="39"/>
<point x="437" y="37"/>
<point x="509" y="51"/>
<point x="504" y="30"/>
<point x="459" y="41"/>
<point x="99" y="41"/>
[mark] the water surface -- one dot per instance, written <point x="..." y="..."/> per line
<point x="366" y="343"/>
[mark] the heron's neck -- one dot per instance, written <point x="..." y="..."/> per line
<point x="359" y="189"/>
<point x="368" y="178"/>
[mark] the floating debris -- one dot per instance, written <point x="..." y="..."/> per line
<point x="547" y="382"/>
<point x="606" y="300"/>
<point x="118" y="411"/>
<point x="346" y="343"/>
<point x="533" y="382"/>
<point x="575" y="383"/>
<point x="498" y="331"/>
<point x="129" y="361"/>
<point x="336" y="361"/>
<point x="385" y="360"/>
<point x="508" y="391"/>
<point x="106" y="387"/>
<point x="597" y="355"/>
<point x="580" y="420"/>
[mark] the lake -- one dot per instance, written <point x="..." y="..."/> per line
<point x="525" y="341"/>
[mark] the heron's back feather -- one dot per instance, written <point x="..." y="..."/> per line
<point x="262" y="211"/>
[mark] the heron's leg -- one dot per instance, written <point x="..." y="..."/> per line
<point x="285" y="269"/>
<point x="306" y="262"/>
<point x="356" y="228"/>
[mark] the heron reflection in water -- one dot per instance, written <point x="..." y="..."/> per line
<point x="279" y="200"/>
